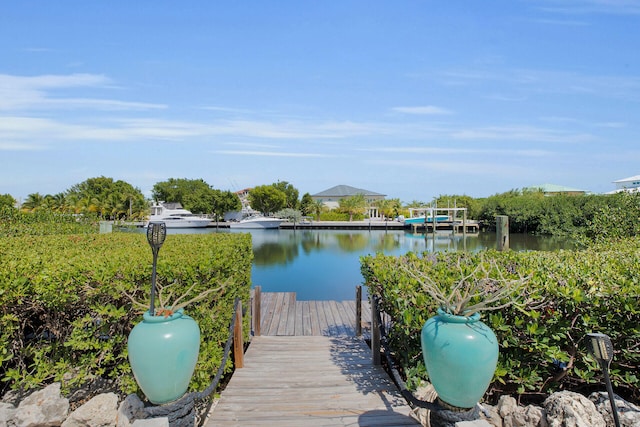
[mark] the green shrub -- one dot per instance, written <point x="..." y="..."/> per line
<point x="44" y="222"/>
<point x="64" y="307"/>
<point x="542" y="347"/>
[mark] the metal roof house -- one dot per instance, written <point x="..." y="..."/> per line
<point x="630" y="184"/>
<point x="332" y="196"/>
<point x="552" y="189"/>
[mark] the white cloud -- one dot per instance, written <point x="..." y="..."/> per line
<point x="422" y="110"/>
<point x="521" y="133"/>
<point x="35" y="92"/>
<point x="460" y="151"/>
<point x="268" y="153"/>
<point x="18" y="146"/>
<point x="615" y="7"/>
<point x="549" y="81"/>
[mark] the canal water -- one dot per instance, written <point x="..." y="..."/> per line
<point x="325" y="264"/>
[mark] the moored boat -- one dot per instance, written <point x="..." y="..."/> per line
<point x="257" y="221"/>
<point x="425" y="218"/>
<point x="175" y="216"/>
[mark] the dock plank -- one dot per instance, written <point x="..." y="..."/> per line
<point x="283" y="315"/>
<point x="310" y="381"/>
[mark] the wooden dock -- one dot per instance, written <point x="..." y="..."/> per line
<point x="282" y="315"/>
<point x="307" y="368"/>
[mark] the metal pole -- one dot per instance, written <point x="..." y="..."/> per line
<point x="153" y="282"/>
<point x="607" y="381"/>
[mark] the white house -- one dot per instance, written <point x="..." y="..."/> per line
<point x="631" y="184"/>
<point x="331" y="197"/>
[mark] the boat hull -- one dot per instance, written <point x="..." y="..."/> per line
<point x="257" y="223"/>
<point x="422" y="219"/>
<point x="175" y="216"/>
<point x="184" y="223"/>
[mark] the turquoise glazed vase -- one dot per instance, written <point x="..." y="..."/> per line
<point x="163" y="352"/>
<point x="460" y="354"/>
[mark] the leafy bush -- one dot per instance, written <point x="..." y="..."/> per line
<point x="542" y="346"/>
<point x="64" y="309"/>
<point x="44" y="222"/>
<point x="594" y="216"/>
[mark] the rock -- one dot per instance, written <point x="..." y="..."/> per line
<point x="514" y="415"/>
<point x="569" y="409"/>
<point x="628" y="413"/>
<point x="100" y="411"/>
<point x="45" y="407"/>
<point x="7" y="412"/>
<point x="535" y="416"/>
<point x="508" y="410"/>
<point x="152" y="422"/>
<point x="128" y="410"/>
<point x="490" y="413"/>
<point x="474" y="423"/>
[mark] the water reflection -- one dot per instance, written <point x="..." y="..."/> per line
<point x="325" y="264"/>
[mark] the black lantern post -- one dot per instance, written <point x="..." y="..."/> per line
<point x="600" y="347"/>
<point x="156" y="233"/>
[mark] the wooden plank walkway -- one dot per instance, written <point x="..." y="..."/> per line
<point x="307" y="368"/>
<point x="282" y="315"/>
<point x="310" y="381"/>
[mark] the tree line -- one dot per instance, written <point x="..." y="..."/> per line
<point x="529" y="211"/>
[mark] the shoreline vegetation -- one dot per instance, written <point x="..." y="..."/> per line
<point x="529" y="210"/>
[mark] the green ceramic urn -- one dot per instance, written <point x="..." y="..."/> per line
<point x="163" y="352"/>
<point x="460" y="354"/>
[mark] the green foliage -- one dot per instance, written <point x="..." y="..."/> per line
<point x="289" y="214"/>
<point x="354" y="205"/>
<point x="390" y="208"/>
<point x="267" y="199"/>
<point x="542" y="345"/>
<point x="193" y="194"/>
<point x="225" y="201"/>
<point x="307" y="204"/>
<point x="64" y="309"/>
<point x="44" y="222"/>
<point x="460" y="201"/>
<point x="101" y="196"/>
<point x="7" y="201"/>
<point x="586" y="217"/>
<point x="290" y="192"/>
<point x="335" y="215"/>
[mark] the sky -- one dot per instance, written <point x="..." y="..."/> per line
<point x="411" y="99"/>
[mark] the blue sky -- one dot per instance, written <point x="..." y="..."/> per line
<point x="411" y="99"/>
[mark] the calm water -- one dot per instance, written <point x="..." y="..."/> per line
<point x="325" y="264"/>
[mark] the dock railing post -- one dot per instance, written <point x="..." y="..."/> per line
<point x="375" y="333"/>
<point x="502" y="232"/>
<point x="358" y="310"/>
<point x="238" y="344"/>
<point x="257" y="320"/>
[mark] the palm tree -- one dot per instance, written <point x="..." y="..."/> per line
<point x="353" y="205"/>
<point x="317" y="207"/>
<point x="33" y="202"/>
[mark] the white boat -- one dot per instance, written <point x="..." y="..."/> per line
<point x="257" y="221"/>
<point x="175" y="216"/>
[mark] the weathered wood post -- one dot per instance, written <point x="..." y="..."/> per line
<point x="464" y="222"/>
<point x="358" y="310"/>
<point x="502" y="232"/>
<point x="257" y="302"/>
<point x="375" y="333"/>
<point x="238" y="344"/>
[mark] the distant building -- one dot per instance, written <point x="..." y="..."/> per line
<point x="631" y="184"/>
<point x="553" y="189"/>
<point x="331" y="197"/>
